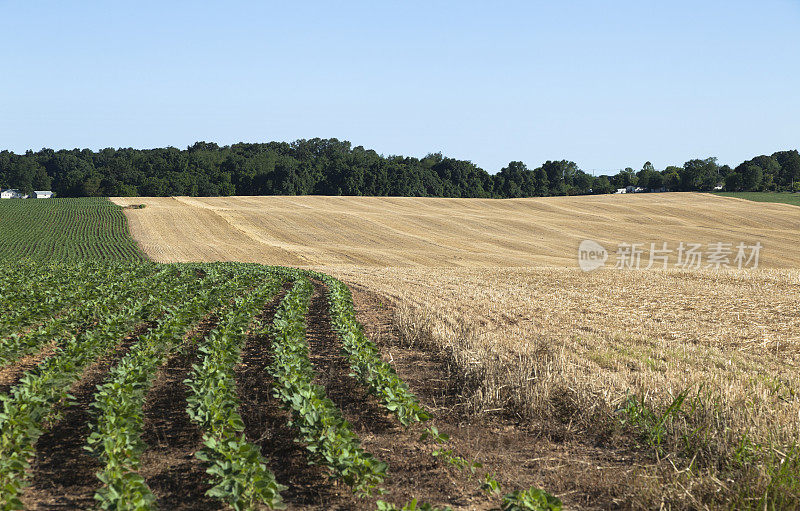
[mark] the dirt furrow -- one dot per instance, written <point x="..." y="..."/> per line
<point x="413" y="471"/>
<point x="175" y="476"/>
<point x="63" y="472"/>
<point x="266" y="425"/>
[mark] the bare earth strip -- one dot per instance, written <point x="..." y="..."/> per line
<point x="405" y="231"/>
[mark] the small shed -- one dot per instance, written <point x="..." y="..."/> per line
<point x="42" y="194"/>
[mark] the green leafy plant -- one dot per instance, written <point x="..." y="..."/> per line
<point x="116" y="437"/>
<point x="652" y="425"/>
<point x="240" y="474"/>
<point x="328" y="438"/>
<point x="379" y="378"/>
<point x="32" y="399"/>
<point x="490" y="484"/>
<point x="532" y="499"/>
<point x="433" y="433"/>
<point x="411" y="505"/>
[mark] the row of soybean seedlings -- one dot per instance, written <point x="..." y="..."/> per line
<point x="31" y="403"/>
<point x="47" y="302"/>
<point x="176" y="303"/>
<point x="240" y="473"/>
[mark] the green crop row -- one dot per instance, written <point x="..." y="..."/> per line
<point x="240" y="474"/>
<point x="66" y="230"/>
<point x="45" y="290"/>
<point x="377" y="376"/>
<point x="319" y="422"/>
<point x="116" y="436"/>
<point x="31" y="400"/>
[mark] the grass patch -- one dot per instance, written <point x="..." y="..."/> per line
<point x="779" y="197"/>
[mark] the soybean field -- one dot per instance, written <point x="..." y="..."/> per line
<point x="65" y="229"/>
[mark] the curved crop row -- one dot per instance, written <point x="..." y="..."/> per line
<point x="32" y="399"/>
<point x="240" y="474"/>
<point x="328" y="437"/>
<point x="94" y="303"/>
<point x="65" y="229"/>
<point x="377" y="376"/>
<point x="116" y="437"/>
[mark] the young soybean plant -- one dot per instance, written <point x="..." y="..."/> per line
<point x="241" y="476"/>
<point x="32" y="399"/>
<point x="379" y="378"/>
<point x="532" y="499"/>
<point x="318" y="421"/>
<point x="117" y="430"/>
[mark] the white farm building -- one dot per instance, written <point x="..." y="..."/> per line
<point x="12" y="193"/>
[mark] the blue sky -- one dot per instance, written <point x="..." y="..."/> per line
<point x="607" y="84"/>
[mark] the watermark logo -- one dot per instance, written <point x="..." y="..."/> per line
<point x="693" y="256"/>
<point x="591" y="255"/>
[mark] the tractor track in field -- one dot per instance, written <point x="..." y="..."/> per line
<point x="63" y="472"/>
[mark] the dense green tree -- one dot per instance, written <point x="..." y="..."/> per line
<point x="582" y="183"/>
<point x="752" y="175"/>
<point x="733" y="182"/>
<point x="789" y="162"/>
<point x="649" y="177"/>
<point x="672" y="177"/>
<point x="625" y="178"/>
<point x="334" y="167"/>
<point x="699" y="175"/>
<point x="602" y="185"/>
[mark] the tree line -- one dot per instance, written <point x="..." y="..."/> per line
<point x="334" y="167"/>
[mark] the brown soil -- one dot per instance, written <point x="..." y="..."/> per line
<point x="413" y="471"/>
<point x="175" y="476"/>
<point x="63" y="472"/>
<point x="10" y="374"/>
<point x="266" y="425"/>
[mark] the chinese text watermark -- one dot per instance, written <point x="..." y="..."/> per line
<point x="690" y="256"/>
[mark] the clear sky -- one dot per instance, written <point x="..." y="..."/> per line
<point x="607" y="84"/>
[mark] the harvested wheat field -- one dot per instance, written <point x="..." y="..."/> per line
<point x="406" y="231"/>
<point x="674" y="389"/>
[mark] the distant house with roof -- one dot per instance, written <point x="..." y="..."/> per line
<point x="12" y="193"/>
<point x="42" y="194"/>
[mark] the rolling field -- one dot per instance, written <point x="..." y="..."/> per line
<point x="127" y="384"/>
<point x="481" y="376"/>
<point x="634" y="389"/>
<point x="430" y="232"/>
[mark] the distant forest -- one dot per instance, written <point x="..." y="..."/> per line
<point x="333" y="167"/>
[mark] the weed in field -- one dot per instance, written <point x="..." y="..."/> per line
<point x="532" y="499"/>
